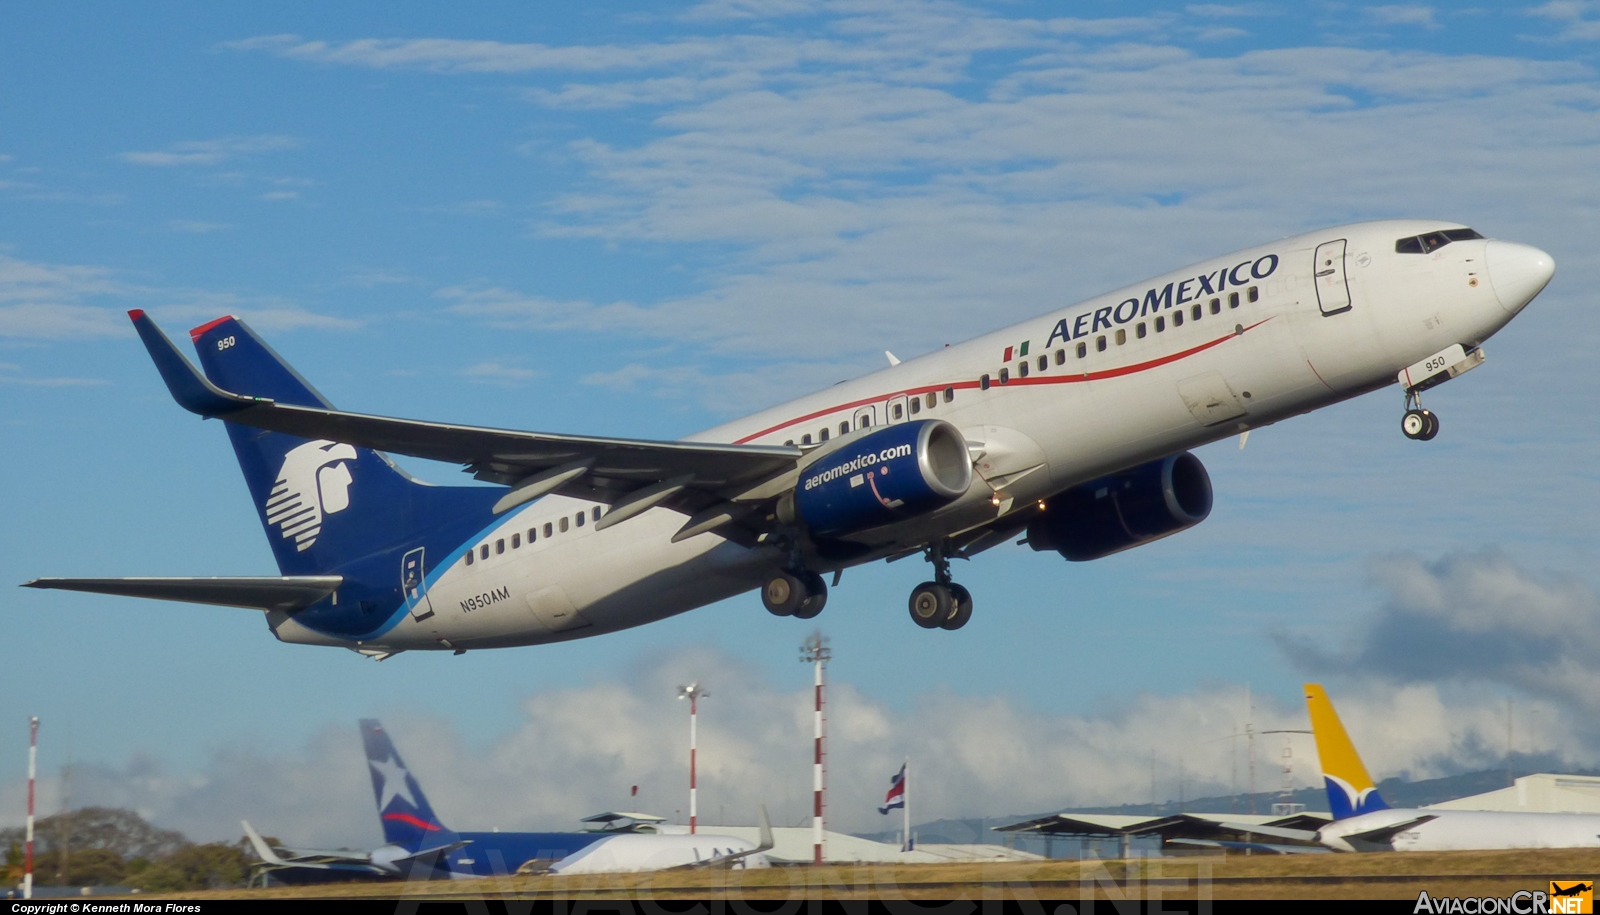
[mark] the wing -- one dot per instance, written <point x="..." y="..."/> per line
<point x="288" y="593"/>
<point x="703" y="479"/>
<point x="1385" y="834"/>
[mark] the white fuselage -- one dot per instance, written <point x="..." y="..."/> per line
<point x="630" y="852"/>
<point x="1466" y="830"/>
<point x="1254" y="346"/>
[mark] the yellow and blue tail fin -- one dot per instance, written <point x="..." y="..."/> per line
<point x="1350" y="789"/>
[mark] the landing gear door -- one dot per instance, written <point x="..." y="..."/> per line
<point x="414" y="586"/>
<point x="1333" y="289"/>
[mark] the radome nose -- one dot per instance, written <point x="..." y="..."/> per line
<point x="1517" y="272"/>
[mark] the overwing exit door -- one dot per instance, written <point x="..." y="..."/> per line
<point x="414" y="586"/>
<point x="1333" y="288"/>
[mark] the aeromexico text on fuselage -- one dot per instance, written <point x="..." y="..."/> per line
<point x="1173" y="294"/>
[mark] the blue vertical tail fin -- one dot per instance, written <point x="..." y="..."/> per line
<point x="407" y="818"/>
<point x="326" y="506"/>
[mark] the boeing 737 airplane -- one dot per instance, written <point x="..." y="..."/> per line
<point x="1072" y="430"/>
<point x="420" y="847"/>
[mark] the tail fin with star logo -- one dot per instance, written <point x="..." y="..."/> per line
<point x="408" y="820"/>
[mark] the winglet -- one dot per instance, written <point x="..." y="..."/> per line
<point x="1350" y="789"/>
<point x="263" y="850"/>
<point x="766" y="841"/>
<point x="189" y="388"/>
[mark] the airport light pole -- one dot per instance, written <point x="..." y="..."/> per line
<point x="815" y="651"/>
<point x="33" y="771"/>
<point x="694" y="694"/>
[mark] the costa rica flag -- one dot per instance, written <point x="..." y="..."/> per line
<point x="896" y="798"/>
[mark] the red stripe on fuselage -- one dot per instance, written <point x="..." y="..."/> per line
<point x="1076" y="378"/>
<point x="408" y="818"/>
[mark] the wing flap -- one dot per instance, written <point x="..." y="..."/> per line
<point x="287" y="593"/>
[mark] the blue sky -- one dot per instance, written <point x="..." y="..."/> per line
<point x="641" y="220"/>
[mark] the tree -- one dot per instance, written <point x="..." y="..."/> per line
<point x="196" y="867"/>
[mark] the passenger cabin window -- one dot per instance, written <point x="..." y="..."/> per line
<point x="596" y="513"/>
<point x="483" y="551"/>
<point x="933" y="400"/>
<point x="533" y="534"/>
<point x="1044" y="363"/>
<point x="469" y="557"/>
<point x="1177" y="318"/>
<point x="1005" y="376"/>
<point x="1022" y="370"/>
<point x="578" y="519"/>
<point x="1061" y="356"/>
<point x="1122" y="336"/>
<point x="516" y="541"/>
<point x="844" y="428"/>
<point x="1252" y="293"/>
<point x="805" y="439"/>
<point x="916" y="405"/>
<point x="788" y="441"/>
<point x="899" y="411"/>
<point x="824" y="433"/>
<point x="1195" y="311"/>
<point x="1083" y="350"/>
<point x="1216" y="306"/>
<point x="1138" y="330"/>
<point x="1161" y="323"/>
<point x="1100" y="343"/>
<point x="548" y="529"/>
<point x="563" y="524"/>
<point x="1233" y="300"/>
<point x="983" y="382"/>
<point x="949" y="394"/>
<point x="499" y="546"/>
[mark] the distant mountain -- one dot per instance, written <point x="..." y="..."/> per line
<point x="1397" y="791"/>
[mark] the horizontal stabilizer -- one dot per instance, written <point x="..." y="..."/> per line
<point x="1383" y="835"/>
<point x="287" y="593"/>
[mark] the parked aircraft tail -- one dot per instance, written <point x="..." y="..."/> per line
<point x="1350" y="789"/>
<point x="408" y="819"/>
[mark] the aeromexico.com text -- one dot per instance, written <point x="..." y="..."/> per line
<point x="1155" y="300"/>
<point x="851" y="466"/>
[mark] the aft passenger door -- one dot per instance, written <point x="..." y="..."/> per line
<point x="414" y="586"/>
<point x="1333" y="289"/>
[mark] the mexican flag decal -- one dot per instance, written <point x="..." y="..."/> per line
<point x="1020" y="351"/>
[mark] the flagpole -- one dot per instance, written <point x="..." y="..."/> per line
<point x="905" y="807"/>
<point x="33" y="768"/>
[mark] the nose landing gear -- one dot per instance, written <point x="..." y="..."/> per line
<point x="1417" y="423"/>
<point x="941" y="603"/>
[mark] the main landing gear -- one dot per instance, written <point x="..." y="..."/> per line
<point x="941" y="603"/>
<point x="1418" y="423"/>
<point x="801" y="594"/>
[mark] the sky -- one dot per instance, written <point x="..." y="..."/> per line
<point x="642" y="220"/>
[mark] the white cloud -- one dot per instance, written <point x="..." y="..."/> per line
<point x="578" y="751"/>
<point x="1579" y="19"/>
<point x="500" y="373"/>
<point x="1404" y="14"/>
<point x="196" y="227"/>
<point x="1476" y="618"/>
<point x="211" y="152"/>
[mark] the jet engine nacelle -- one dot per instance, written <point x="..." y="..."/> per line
<point x="1124" y="510"/>
<point x="895" y="473"/>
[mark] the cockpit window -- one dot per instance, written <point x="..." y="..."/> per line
<point x="1433" y="241"/>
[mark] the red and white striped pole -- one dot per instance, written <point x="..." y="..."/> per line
<point x="815" y="650"/>
<point x="694" y="694"/>
<point x="33" y="771"/>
